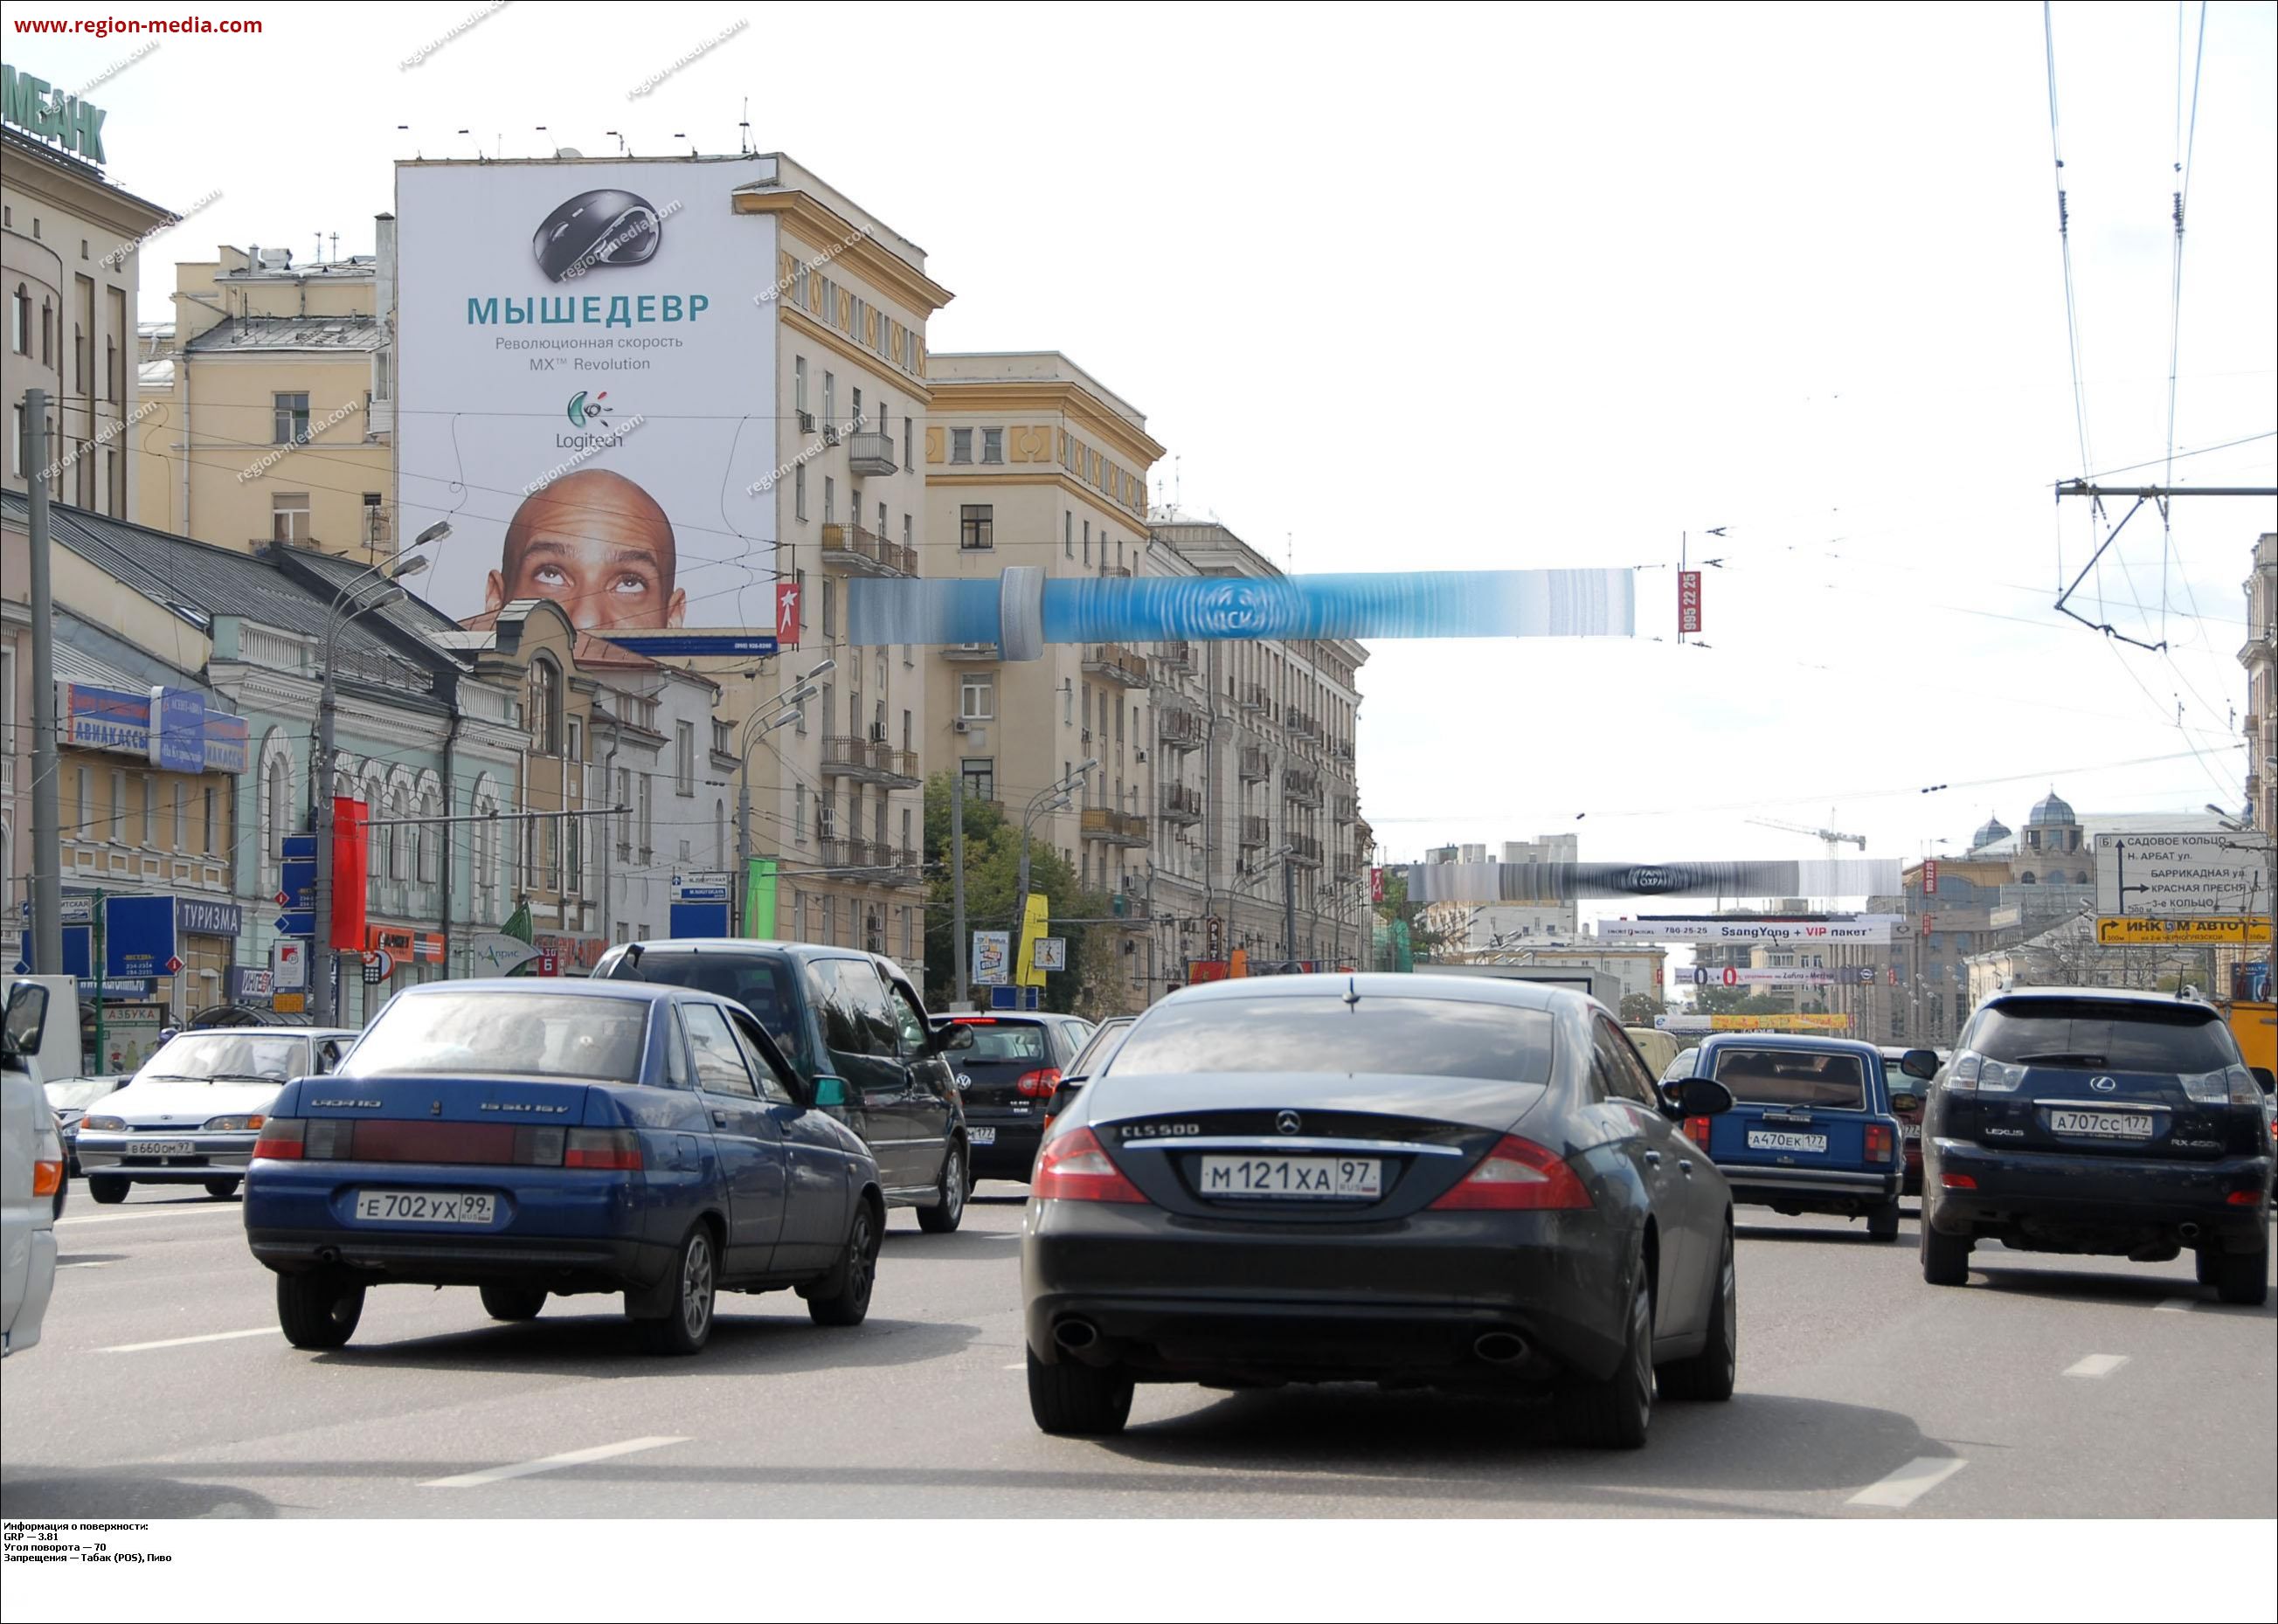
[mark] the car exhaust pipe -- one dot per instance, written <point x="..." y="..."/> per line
<point x="1500" y="1347"/>
<point x="1074" y="1335"/>
<point x="2188" y="1231"/>
<point x="328" y="1256"/>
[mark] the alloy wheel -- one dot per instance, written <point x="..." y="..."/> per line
<point x="696" y="1287"/>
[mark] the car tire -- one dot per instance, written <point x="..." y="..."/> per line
<point x="1883" y="1223"/>
<point x="513" y="1302"/>
<point x="107" y="1189"/>
<point x="1945" y="1258"/>
<point x="956" y="1183"/>
<point x="691" y="1295"/>
<point x="221" y="1189"/>
<point x="2240" y="1278"/>
<point x="1069" y="1399"/>
<point x="1615" y="1414"/>
<point x="317" y="1311"/>
<point x="1712" y="1373"/>
<point x="842" y="1296"/>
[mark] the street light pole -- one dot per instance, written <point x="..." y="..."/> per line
<point x="781" y="712"/>
<point x="46" y="944"/>
<point x="1051" y="798"/>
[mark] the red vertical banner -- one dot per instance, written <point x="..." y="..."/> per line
<point x="1930" y="876"/>
<point x="1688" y="601"/>
<point x="787" y="594"/>
<point x="351" y="869"/>
<point x="1376" y="885"/>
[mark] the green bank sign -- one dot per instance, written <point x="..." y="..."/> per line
<point x="34" y="104"/>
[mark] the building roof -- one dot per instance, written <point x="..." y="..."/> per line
<point x="1989" y="831"/>
<point x="2052" y="808"/>
<point x="237" y="334"/>
<point x="25" y="147"/>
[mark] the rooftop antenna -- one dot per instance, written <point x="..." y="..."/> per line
<point x="336" y="248"/>
<point x="1177" y="487"/>
<point x="414" y="145"/>
<point x="683" y="135"/>
<point x="320" y="247"/>
<point x="745" y="140"/>
<point x="622" y="150"/>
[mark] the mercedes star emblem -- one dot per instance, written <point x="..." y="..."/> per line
<point x="1287" y="1122"/>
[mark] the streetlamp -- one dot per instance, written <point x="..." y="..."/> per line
<point x="1052" y="797"/>
<point x="779" y="713"/>
<point x="346" y="606"/>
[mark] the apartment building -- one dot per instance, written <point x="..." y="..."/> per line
<point x="1494" y="926"/>
<point x="269" y="395"/>
<point x="2259" y="655"/>
<point x="1256" y="745"/>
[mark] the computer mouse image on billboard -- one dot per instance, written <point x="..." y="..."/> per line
<point x="604" y="227"/>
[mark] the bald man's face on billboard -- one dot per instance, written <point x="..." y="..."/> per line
<point x="598" y="544"/>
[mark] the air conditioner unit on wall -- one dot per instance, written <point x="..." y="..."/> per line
<point x="960" y="726"/>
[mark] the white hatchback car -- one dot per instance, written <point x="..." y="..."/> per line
<point x="193" y="1112"/>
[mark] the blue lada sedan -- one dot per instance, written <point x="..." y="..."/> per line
<point x="532" y="1141"/>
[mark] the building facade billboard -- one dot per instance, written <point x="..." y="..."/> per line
<point x="586" y="386"/>
<point x="1857" y="930"/>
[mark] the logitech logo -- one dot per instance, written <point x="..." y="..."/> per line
<point x="586" y="409"/>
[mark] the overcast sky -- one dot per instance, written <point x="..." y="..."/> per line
<point x="1481" y="289"/>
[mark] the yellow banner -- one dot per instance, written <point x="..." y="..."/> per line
<point x="2132" y="932"/>
<point x="1779" y="1022"/>
<point x="1034" y="928"/>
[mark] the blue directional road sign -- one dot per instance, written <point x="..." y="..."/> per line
<point x="297" y="883"/>
<point x="296" y="923"/>
<point x="138" y="936"/>
<point x="300" y="848"/>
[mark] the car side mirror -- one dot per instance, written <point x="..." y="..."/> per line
<point x="2263" y="1076"/>
<point x="1701" y="1096"/>
<point x="1904" y="1100"/>
<point x="1921" y="1063"/>
<point x="829" y="1093"/>
<point x="954" y="1036"/>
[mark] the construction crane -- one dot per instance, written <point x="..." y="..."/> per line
<point x="1833" y="837"/>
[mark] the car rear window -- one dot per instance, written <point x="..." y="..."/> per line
<point x="2091" y="1031"/>
<point x="763" y="983"/>
<point x="1793" y="1077"/>
<point x="1006" y="1043"/>
<point x="1418" y="1037"/>
<point x="510" y="1034"/>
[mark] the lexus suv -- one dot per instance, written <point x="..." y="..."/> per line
<point x="2100" y="1122"/>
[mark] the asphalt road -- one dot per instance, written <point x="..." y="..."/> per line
<point x="2050" y="1388"/>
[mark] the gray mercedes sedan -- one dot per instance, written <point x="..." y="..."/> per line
<point x="1416" y="1180"/>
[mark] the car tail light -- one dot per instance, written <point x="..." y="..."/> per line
<point x="283" y="1138"/>
<point x="612" y="1150"/>
<point x="1878" y="1142"/>
<point x="2236" y="1198"/>
<point x="1039" y="1083"/>
<point x="1972" y="1073"/>
<point x="2234" y="1086"/>
<point x="1074" y="1167"/>
<point x="1957" y="1181"/>
<point x="47" y="1178"/>
<point x="1696" y="1129"/>
<point x="1516" y="1175"/>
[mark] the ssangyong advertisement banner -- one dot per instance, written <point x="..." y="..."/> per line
<point x="585" y="388"/>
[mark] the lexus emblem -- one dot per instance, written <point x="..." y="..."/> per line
<point x="2102" y="1085"/>
<point x="1287" y="1122"/>
<point x="435" y="1109"/>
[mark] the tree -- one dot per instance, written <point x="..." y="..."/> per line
<point x="992" y="884"/>
<point x="1639" y="1008"/>
<point x="1396" y="910"/>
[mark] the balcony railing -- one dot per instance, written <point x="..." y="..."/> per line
<point x="1341" y="750"/>
<point x="1177" y="655"/>
<point x="865" y="553"/>
<point x="1305" y="848"/>
<point x="882" y="856"/>
<point x="1179" y="729"/>
<point x="1256" y="831"/>
<point x="1300" y="723"/>
<point x="1114" y="662"/>
<point x="1181" y="803"/>
<point x="870" y="455"/>
<point x="1255" y="764"/>
<point x="1301" y="787"/>
<point x="1115" y="572"/>
<point x="1347" y="809"/>
<point x="869" y="761"/>
<point x="987" y="651"/>
<point x="1255" y="696"/>
<point x="1117" y="828"/>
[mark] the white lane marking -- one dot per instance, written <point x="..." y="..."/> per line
<point x="155" y="1211"/>
<point x="104" y="1262"/>
<point x="1022" y="1366"/>
<point x="2098" y="1364"/>
<point x="1911" y="1482"/>
<point x="2178" y="1305"/>
<point x="218" y="1335"/>
<point x="576" y="1457"/>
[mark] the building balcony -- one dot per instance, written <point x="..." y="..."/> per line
<point x="1300" y="724"/>
<point x="1117" y="828"/>
<point x="1341" y="750"/>
<point x="1256" y="831"/>
<point x="863" y="858"/>
<point x="1130" y="909"/>
<point x="870" y="455"/>
<point x="1305" y="850"/>
<point x="1115" y="572"/>
<point x="1176" y="655"/>
<point x="1347" y="809"/>
<point x="1117" y="663"/>
<point x="869" y="761"/>
<point x="858" y="552"/>
<point x="1255" y="764"/>
<point x="1253" y="696"/>
<point x="1181" y="803"/>
<point x="1179" y="729"/>
<point x="987" y="652"/>
<point x="1301" y="787"/>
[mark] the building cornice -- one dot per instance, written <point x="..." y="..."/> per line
<point x="826" y="231"/>
<point x="1084" y="411"/>
<point x="879" y="365"/>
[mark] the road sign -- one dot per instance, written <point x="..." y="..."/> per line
<point x="76" y="910"/>
<point x="297" y="884"/>
<point x="687" y="918"/>
<point x="699" y="888"/>
<point x="296" y="925"/>
<point x="138" y="936"/>
<point x="549" y="963"/>
<point x="2133" y="932"/>
<point x="2193" y="875"/>
<point x="299" y="848"/>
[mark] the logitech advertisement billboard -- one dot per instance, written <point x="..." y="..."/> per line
<point x="586" y="377"/>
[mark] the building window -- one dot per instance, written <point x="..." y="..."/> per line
<point x="992" y="445"/>
<point x="976" y="695"/>
<point x="798" y="492"/>
<point x="683" y="756"/>
<point x="150" y="811"/>
<point x="960" y="445"/>
<point x="211" y="847"/>
<point x="856" y="422"/>
<point x="980" y="777"/>
<point x="905" y="439"/>
<point x="829" y="608"/>
<point x="830" y="499"/>
<point x="830" y="399"/>
<point x="288" y="516"/>
<point x="1086" y="543"/>
<point x="19" y="320"/>
<point x="292" y="420"/>
<point x="276" y="815"/>
<point x="546" y="706"/>
<point x="798" y="384"/>
<point x="1067" y="535"/>
<point x="976" y="527"/>
<point x="181" y="816"/>
<point x="798" y="814"/>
